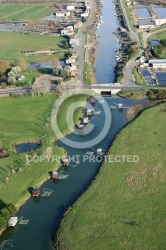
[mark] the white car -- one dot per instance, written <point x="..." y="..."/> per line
<point x="20" y="78"/>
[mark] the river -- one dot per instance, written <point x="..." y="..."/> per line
<point x="43" y="214"/>
<point x="106" y="55"/>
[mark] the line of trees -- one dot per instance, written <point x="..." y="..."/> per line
<point x="5" y="214"/>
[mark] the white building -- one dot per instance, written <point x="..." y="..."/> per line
<point x="62" y="14"/>
<point x="74" y="42"/>
<point x="70" y="7"/>
<point x="69" y="30"/>
<point x="158" y="63"/>
<point x="159" y="22"/>
<point x="70" y="60"/>
<point x="160" y="13"/>
<point x="85" y="14"/>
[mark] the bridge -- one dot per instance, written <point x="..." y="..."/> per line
<point x="98" y="88"/>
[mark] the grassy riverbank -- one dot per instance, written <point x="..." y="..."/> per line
<point x="28" y="119"/>
<point x="125" y="206"/>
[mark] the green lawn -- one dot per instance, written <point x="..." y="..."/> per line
<point x="22" y="118"/>
<point x="11" y="45"/>
<point x="25" y="12"/>
<point x="139" y="80"/>
<point x="124" y="208"/>
<point x="87" y="77"/>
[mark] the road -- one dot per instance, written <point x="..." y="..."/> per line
<point x="127" y="71"/>
<point x="82" y="37"/>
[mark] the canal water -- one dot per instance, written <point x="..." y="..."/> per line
<point x="41" y="216"/>
<point x="26" y="147"/>
<point x="106" y="55"/>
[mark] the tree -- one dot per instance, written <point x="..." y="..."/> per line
<point x="16" y="70"/>
<point x="20" y="62"/>
<point x="66" y="45"/>
<point x="57" y="70"/>
<point x="65" y="74"/>
<point x="4" y="66"/>
<point x="11" y="80"/>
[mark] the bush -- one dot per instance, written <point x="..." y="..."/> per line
<point x="5" y="214"/>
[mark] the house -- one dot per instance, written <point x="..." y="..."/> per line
<point x="87" y="5"/>
<point x="69" y="30"/>
<point x="78" y="25"/>
<point x="73" y="73"/>
<point x="70" y="60"/>
<point x="160" y="16"/>
<point x="99" y="151"/>
<point x="86" y="120"/>
<point x="62" y="14"/>
<point x="74" y="42"/>
<point x="65" y="162"/>
<point x="55" y="175"/>
<point x="12" y="222"/>
<point x="35" y="192"/>
<point x="89" y="111"/>
<point x="70" y="7"/>
<point x="159" y="22"/>
<point x="158" y="63"/>
<point x="120" y="105"/>
<point x="73" y="67"/>
<point x="85" y="14"/>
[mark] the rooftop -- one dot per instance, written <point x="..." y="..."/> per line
<point x="146" y="22"/>
<point x="160" y="12"/>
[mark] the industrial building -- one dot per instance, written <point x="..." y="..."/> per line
<point x="158" y="63"/>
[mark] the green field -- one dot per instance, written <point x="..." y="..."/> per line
<point x="139" y="80"/>
<point x="25" y="12"/>
<point x="124" y="208"/>
<point x="11" y="45"/>
<point x="159" y="51"/>
<point x="22" y="118"/>
<point x="27" y="119"/>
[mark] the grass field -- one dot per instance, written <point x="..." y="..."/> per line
<point x="28" y="119"/>
<point x="139" y="80"/>
<point x="25" y="12"/>
<point x="124" y="208"/>
<point x="22" y="118"/>
<point x="11" y="45"/>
